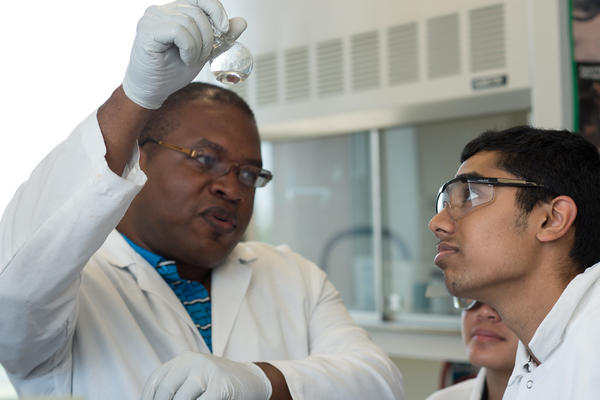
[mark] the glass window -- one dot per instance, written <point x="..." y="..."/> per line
<point x="319" y="204"/>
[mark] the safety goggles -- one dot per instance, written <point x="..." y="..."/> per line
<point x="465" y="304"/>
<point x="464" y="193"/>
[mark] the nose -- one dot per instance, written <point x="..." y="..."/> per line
<point x="228" y="185"/>
<point x="486" y="312"/>
<point x="441" y="224"/>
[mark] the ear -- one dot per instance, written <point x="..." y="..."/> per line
<point x="559" y="215"/>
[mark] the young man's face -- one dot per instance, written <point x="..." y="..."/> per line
<point x="488" y="247"/>
<point x="183" y="212"/>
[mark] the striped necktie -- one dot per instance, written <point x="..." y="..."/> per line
<point x="194" y="297"/>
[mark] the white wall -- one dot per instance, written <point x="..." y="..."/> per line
<point x="60" y="60"/>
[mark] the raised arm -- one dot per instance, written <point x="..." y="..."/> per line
<point x="120" y="121"/>
<point x="172" y="44"/>
<point x="80" y="191"/>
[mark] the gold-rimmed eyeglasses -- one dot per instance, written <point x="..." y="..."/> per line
<point x="210" y="161"/>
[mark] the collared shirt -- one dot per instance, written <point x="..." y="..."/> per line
<point x="567" y="344"/>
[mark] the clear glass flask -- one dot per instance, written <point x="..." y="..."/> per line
<point x="233" y="65"/>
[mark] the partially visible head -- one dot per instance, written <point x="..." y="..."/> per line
<point x="585" y="27"/>
<point x="489" y="342"/>
<point x="184" y="212"/>
<point x="564" y="163"/>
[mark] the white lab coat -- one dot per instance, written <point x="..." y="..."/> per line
<point x="82" y="313"/>
<point x="567" y="343"/>
<point x="470" y="389"/>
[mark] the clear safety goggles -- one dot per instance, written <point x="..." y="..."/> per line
<point x="464" y="193"/>
<point x="465" y="304"/>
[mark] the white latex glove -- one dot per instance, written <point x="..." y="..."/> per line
<point x="192" y="376"/>
<point x="172" y="44"/>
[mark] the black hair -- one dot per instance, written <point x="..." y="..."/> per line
<point x="565" y="163"/>
<point x="161" y="121"/>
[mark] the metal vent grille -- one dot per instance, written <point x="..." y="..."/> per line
<point x="443" y="50"/>
<point x="330" y="67"/>
<point x="297" y="75"/>
<point x="487" y="38"/>
<point x="365" y="60"/>
<point x="403" y="65"/>
<point x="266" y="79"/>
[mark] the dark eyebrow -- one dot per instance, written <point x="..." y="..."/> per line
<point x="469" y="175"/>
<point x="200" y="143"/>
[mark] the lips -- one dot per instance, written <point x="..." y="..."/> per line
<point x="443" y="250"/>
<point x="486" y="335"/>
<point x="220" y="219"/>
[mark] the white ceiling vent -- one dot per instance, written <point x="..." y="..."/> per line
<point x="487" y="38"/>
<point x="297" y="74"/>
<point x="403" y="53"/>
<point x="365" y="60"/>
<point x="266" y="79"/>
<point x="330" y="67"/>
<point x="443" y="50"/>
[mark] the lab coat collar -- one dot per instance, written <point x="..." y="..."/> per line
<point x="117" y="251"/>
<point x="229" y="284"/>
<point x="121" y="255"/>
<point x="549" y="334"/>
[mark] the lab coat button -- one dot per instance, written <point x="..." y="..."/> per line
<point x="529" y="384"/>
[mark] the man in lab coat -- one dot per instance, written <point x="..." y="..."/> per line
<point x="518" y="229"/>
<point x="121" y="271"/>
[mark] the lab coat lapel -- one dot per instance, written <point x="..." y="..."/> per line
<point x="118" y="252"/>
<point x="229" y="285"/>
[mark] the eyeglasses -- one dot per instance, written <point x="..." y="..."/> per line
<point x="464" y="193"/>
<point x="209" y="160"/>
<point x="465" y="304"/>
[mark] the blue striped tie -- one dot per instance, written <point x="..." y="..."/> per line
<point x="193" y="296"/>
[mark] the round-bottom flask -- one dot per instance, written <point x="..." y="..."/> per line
<point x="232" y="66"/>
